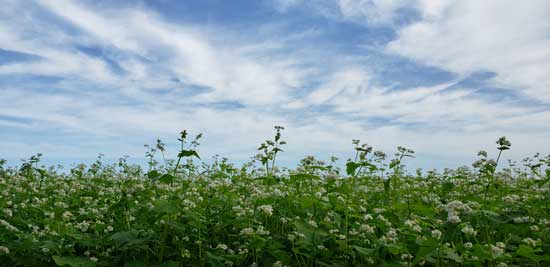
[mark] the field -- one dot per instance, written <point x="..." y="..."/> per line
<point x="372" y="213"/>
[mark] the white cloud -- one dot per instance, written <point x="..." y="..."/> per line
<point x="508" y="38"/>
<point x="372" y="11"/>
<point x="185" y="53"/>
<point x="351" y="94"/>
<point x="284" y="5"/>
<point x="144" y="101"/>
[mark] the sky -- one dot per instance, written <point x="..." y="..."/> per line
<point x="444" y="78"/>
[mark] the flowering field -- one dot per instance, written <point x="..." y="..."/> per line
<point x="182" y="214"/>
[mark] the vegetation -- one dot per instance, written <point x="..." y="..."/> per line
<point x="180" y="213"/>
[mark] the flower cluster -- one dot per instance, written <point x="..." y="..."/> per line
<point x="106" y="215"/>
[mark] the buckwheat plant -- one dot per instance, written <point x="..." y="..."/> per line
<point x="218" y="214"/>
<point x="189" y="151"/>
<point x="269" y="149"/>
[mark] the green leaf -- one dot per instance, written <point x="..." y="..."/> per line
<point x="481" y="252"/>
<point x="364" y="251"/>
<point x="425" y="250"/>
<point x="277" y="250"/>
<point x="452" y="255"/>
<point x="188" y="153"/>
<point x="317" y="167"/>
<point x="387" y="186"/>
<point x="167" y="178"/>
<point x="166" y="206"/>
<point x="303" y="177"/>
<point x="73" y="261"/>
<point x="528" y="252"/>
<point x="394" y="163"/>
<point x="122" y="238"/>
<point x="447" y="187"/>
<point x="153" y="174"/>
<point x="171" y="264"/>
<point x="393" y="248"/>
<point x="311" y="235"/>
<point x="135" y="264"/>
<point x="351" y="167"/>
<point x="491" y="215"/>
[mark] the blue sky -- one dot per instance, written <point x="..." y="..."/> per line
<point x="445" y="78"/>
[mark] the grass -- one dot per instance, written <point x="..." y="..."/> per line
<point x="178" y="213"/>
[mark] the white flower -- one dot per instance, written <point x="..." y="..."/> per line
<point x="525" y="219"/>
<point x="413" y="225"/>
<point x="267" y="209"/>
<point x="189" y="204"/>
<point x="312" y="223"/>
<point x="531" y="242"/>
<point x="453" y="218"/>
<point x="67" y="215"/>
<point x="4" y="250"/>
<point x="436" y="234"/>
<point x="8" y="213"/>
<point x="9" y="226"/>
<point x="510" y="199"/>
<point x="186" y="253"/>
<point x="262" y="231"/>
<point x="378" y="210"/>
<point x="367" y="217"/>
<point x="247" y="231"/>
<point x="222" y="246"/>
<point x="391" y="233"/>
<point x="291" y="237"/>
<point x="468" y="245"/>
<point x="468" y="230"/>
<point x="239" y="211"/>
<point x="367" y="228"/>
<point x="383" y="219"/>
<point x="410" y="223"/>
<point x="497" y="250"/>
<point x="94" y="259"/>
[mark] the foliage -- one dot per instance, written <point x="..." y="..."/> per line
<point x="218" y="214"/>
<point x="269" y="149"/>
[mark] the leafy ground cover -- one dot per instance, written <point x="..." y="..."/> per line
<point x="180" y="213"/>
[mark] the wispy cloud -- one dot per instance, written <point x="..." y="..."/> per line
<point x="504" y="37"/>
<point x="118" y="76"/>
